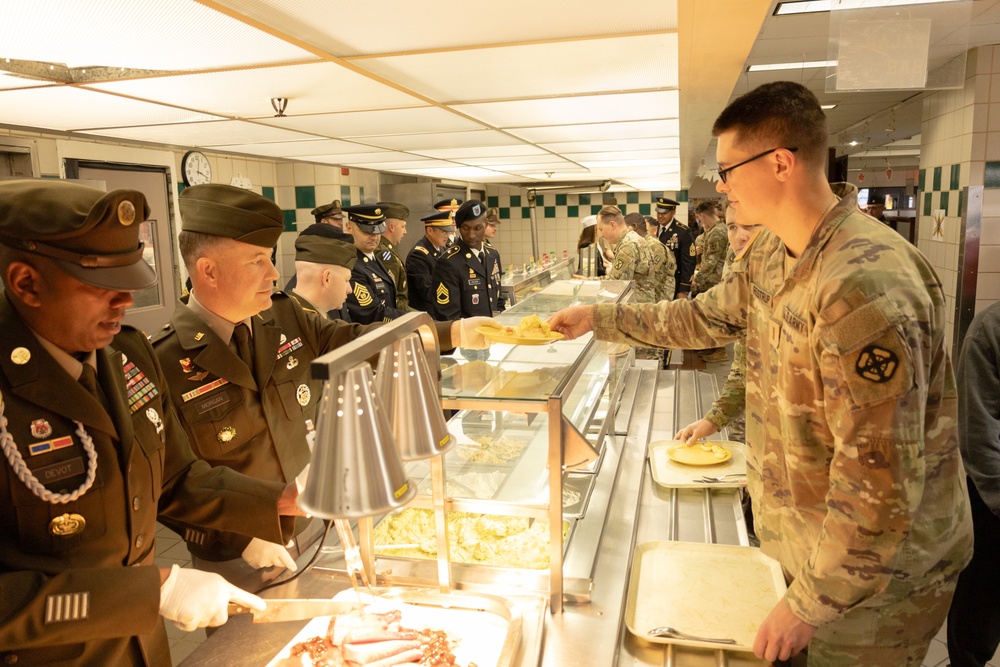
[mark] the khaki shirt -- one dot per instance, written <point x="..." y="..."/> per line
<point x="852" y="457"/>
<point x="632" y="262"/>
<point x="664" y="268"/>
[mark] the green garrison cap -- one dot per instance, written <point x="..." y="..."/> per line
<point x="325" y="248"/>
<point x="331" y="210"/>
<point x="369" y="217"/>
<point x="222" y="210"/>
<point x="93" y="235"/>
<point x="393" y="210"/>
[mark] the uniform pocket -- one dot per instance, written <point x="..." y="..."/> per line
<point x="218" y="424"/>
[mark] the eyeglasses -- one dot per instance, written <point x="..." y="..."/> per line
<point x="724" y="173"/>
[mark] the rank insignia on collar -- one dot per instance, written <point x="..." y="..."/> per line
<point x="41" y="428"/>
<point x="303" y="394"/>
<point x="226" y="435"/>
<point x="186" y="365"/>
<point x="199" y="335"/>
<point x="198" y="377"/>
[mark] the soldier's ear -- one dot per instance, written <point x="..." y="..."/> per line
<point x="23" y="281"/>
<point x="208" y="271"/>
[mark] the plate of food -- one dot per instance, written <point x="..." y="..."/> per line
<point x="531" y="330"/>
<point x="703" y="453"/>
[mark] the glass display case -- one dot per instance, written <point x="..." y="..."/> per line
<point x="521" y="282"/>
<point x="530" y="427"/>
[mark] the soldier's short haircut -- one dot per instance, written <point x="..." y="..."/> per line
<point x="707" y="207"/>
<point x="635" y="220"/>
<point x="195" y="245"/>
<point x="782" y="114"/>
<point x="611" y="212"/>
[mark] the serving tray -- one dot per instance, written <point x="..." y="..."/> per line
<point x="673" y="475"/>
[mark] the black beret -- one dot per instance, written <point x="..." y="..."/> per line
<point x="470" y="210"/>
<point x="665" y="204"/>
<point x="93" y="235"/>
<point x="393" y="210"/>
<point x="367" y="217"/>
<point x="448" y="204"/>
<point x="223" y="210"/>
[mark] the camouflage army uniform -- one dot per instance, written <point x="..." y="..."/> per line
<point x="386" y="252"/>
<point x="664" y="268"/>
<point x="714" y="246"/>
<point x="852" y="456"/>
<point x="632" y="262"/>
<point x="729" y="408"/>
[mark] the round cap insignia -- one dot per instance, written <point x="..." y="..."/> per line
<point x="20" y="355"/>
<point x="126" y="213"/>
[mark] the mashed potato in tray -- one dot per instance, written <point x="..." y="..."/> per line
<point x="503" y="541"/>
<point x="531" y="326"/>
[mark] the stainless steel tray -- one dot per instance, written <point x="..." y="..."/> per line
<point x="577" y="487"/>
<point x="489" y="626"/>
<point x="709" y="590"/>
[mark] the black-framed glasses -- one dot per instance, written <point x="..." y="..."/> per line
<point x="724" y="173"/>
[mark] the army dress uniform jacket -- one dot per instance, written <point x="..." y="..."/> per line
<point x="715" y="247"/>
<point x="664" y="268"/>
<point x="633" y="262"/>
<point x="420" y="264"/>
<point x="251" y="421"/>
<point x="393" y="265"/>
<point x="463" y="287"/>
<point x="373" y="292"/>
<point x="78" y="584"/>
<point x="677" y="238"/>
<point x="852" y="459"/>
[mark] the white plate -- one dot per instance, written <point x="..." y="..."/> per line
<point x="709" y="590"/>
<point x="673" y="475"/>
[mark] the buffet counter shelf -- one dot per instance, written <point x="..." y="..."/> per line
<point x="590" y="632"/>
<point x="516" y="288"/>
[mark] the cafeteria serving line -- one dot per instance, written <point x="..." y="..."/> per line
<point x="521" y="502"/>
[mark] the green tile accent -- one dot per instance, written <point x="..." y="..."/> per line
<point x="539" y="200"/>
<point x="922" y="180"/>
<point x="572" y="211"/>
<point x="289" y="220"/>
<point x="655" y="195"/>
<point x="945" y="200"/>
<point x="515" y="201"/>
<point x="644" y="209"/>
<point x="584" y="199"/>
<point x="961" y="202"/>
<point x="682" y="196"/>
<point x="268" y="192"/>
<point x="623" y="209"/>
<point x="550" y="211"/>
<point x="595" y="209"/>
<point x="526" y="212"/>
<point x="362" y="193"/>
<point x="560" y="200"/>
<point x="505" y="213"/>
<point x="493" y="202"/>
<point x="956" y="171"/>
<point x="927" y="203"/>
<point x="180" y="188"/>
<point x="305" y="196"/>
<point x="937" y="179"/>
<point x="632" y="197"/>
<point x="992" y="175"/>
<point x="345" y="195"/>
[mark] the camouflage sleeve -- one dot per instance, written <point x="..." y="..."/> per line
<point x="624" y="265"/>
<point x="714" y="319"/>
<point x="871" y="360"/>
<point x="712" y="260"/>
<point x="732" y="400"/>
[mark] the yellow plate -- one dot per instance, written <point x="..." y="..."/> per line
<point x="499" y="336"/>
<point x="694" y="455"/>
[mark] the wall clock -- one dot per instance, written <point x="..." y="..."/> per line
<point x="195" y="168"/>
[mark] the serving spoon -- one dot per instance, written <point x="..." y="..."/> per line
<point x="666" y="631"/>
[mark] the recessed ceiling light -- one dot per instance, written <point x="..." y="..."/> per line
<point x="799" y="65"/>
<point x="852" y="143"/>
<point x="827" y="107"/>
<point x="811" y="6"/>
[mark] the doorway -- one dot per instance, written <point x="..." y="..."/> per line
<point x="153" y="306"/>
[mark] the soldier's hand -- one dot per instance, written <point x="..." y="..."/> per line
<point x="288" y="501"/>
<point x="573" y="322"/>
<point x="194" y="599"/>
<point x="467" y="336"/>
<point x="782" y="634"/>
<point x="260" y="553"/>
<point x="696" y="431"/>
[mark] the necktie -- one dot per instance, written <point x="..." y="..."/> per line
<point x="482" y="258"/>
<point x="241" y="334"/>
<point x="88" y="378"/>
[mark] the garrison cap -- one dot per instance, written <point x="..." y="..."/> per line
<point x="448" y="205"/>
<point x="493" y="214"/>
<point x="324" y="248"/>
<point x="368" y="217"/>
<point x="470" y="210"/>
<point x="664" y="204"/>
<point x="439" y="219"/>
<point x="331" y="210"/>
<point x="93" y="235"/>
<point x="393" y="210"/>
<point x="224" y="210"/>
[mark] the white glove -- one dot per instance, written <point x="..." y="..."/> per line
<point x="260" y="553"/>
<point x="195" y="599"/>
<point x="468" y="338"/>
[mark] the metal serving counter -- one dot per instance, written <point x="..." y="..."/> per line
<point x="589" y="633"/>
<point x="519" y="286"/>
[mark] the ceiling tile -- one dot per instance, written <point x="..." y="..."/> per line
<point x="407" y="165"/>
<point x="605" y="156"/>
<point x="572" y="110"/>
<point x="435" y="141"/>
<point x="218" y="133"/>
<point x="613" y="145"/>
<point x="507" y="160"/>
<point x="300" y="148"/>
<point x="599" y="131"/>
<point x="375" y="123"/>
<point x="8" y="81"/>
<point x="464" y="153"/>
<point x="473" y="174"/>
<point x="364" y="158"/>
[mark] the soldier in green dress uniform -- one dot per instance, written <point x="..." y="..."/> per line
<point x="395" y="230"/>
<point x="93" y="452"/>
<point x="323" y="266"/>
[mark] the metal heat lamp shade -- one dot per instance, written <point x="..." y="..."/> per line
<point x="356" y="470"/>
<point x="409" y="394"/>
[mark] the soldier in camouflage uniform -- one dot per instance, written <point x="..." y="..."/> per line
<point x="395" y="230"/>
<point x="852" y="456"/>
<point x="632" y="260"/>
<point x="713" y="246"/>
<point x="663" y="261"/>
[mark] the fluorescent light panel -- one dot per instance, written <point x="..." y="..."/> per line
<point x="809" y="64"/>
<point x="812" y="6"/>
